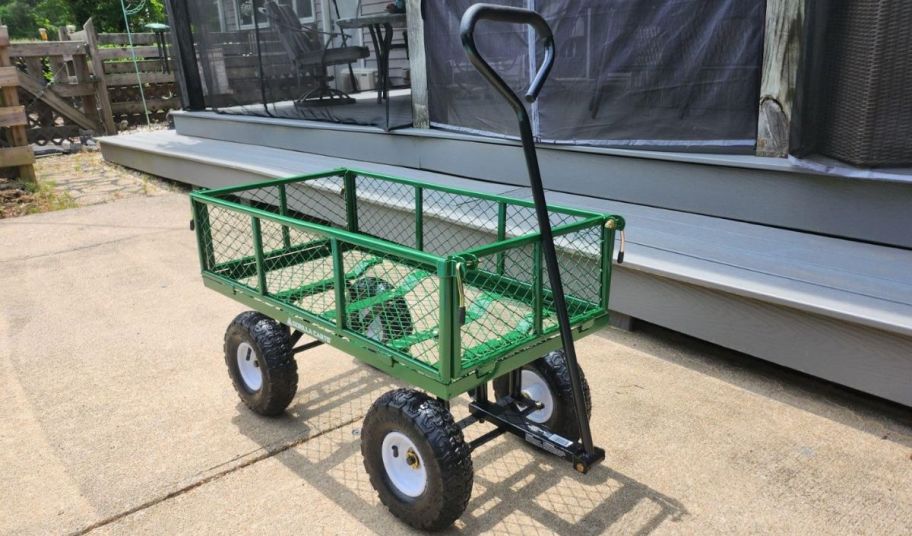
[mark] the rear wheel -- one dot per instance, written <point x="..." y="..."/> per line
<point x="384" y="321"/>
<point x="547" y="380"/>
<point x="260" y="363"/>
<point x="417" y="459"/>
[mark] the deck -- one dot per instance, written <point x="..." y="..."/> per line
<point x="365" y="110"/>
<point x="713" y="257"/>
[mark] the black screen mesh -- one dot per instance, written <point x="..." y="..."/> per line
<point x="282" y="59"/>
<point x="681" y="74"/>
<point x="645" y="73"/>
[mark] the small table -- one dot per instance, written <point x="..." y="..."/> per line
<point x="381" y="30"/>
<point x="160" y="30"/>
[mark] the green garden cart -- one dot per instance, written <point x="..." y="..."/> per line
<point x="446" y="289"/>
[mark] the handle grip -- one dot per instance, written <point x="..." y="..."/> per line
<point x="516" y="15"/>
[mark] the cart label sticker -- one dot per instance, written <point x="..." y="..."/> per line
<point x="560" y="440"/>
<point x="309" y="331"/>
<point x="545" y="445"/>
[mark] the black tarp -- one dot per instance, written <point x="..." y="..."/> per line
<point x="643" y="73"/>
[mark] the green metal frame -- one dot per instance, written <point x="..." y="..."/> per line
<point x="454" y="373"/>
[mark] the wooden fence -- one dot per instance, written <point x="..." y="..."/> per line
<point x="15" y="151"/>
<point x="121" y="78"/>
<point x="57" y="89"/>
<point x="86" y="83"/>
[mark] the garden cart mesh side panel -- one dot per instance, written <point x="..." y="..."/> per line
<point x="440" y="287"/>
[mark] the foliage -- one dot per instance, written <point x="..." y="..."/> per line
<point x="17" y="15"/>
<point x="108" y="16"/>
<point x="18" y="199"/>
<point x="24" y="17"/>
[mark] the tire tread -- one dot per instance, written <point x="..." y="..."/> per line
<point x="275" y="352"/>
<point x="453" y="456"/>
<point x="554" y="369"/>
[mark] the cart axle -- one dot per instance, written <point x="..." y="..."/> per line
<point x="295" y="337"/>
<point x="508" y="420"/>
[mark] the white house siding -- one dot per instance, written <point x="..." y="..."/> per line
<point x="230" y="14"/>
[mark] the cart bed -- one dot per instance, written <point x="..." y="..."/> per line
<point x="293" y="249"/>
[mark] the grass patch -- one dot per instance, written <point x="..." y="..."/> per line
<point x="48" y="199"/>
<point x="17" y="199"/>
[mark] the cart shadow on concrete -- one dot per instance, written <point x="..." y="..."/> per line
<point x="517" y="489"/>
<point x="316" y="409"/>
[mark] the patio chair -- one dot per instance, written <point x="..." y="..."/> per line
<point x="311" y="55"/>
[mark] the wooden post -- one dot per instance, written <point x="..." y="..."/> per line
<point x="13" y="117"/>
<point x="62" y="65"/>
<point x="101" y="86"/>
<point x="782" y="44"/>
<point x="82" y="74"/>
<point x="89" y="102"/>
<point x="417" y="64"/>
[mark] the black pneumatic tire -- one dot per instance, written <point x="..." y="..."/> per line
<point x="393" y="316"/>
<point x="442" y="447"/>
<point x="556" y="373"/>
<point x="271" y="351"/>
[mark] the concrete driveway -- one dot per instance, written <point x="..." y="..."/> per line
<point x="118" y="417"/>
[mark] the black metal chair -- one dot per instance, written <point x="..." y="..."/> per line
<point x="311" y="56"/>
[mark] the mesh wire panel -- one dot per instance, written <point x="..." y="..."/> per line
<point x="390" y="299"/>
<point x="230" y="238"/>
<point x="499" y="310"/>
<point x="299" y="274"/>
<point x="266" y="198"/>
<point x="397" y="304"/>
<point x="386" y="210"/>
<point x="522" y="220"/>
<point x="455" y="222"/>
<point x="501" y="295"/>
<point x="579" y="260"/>
<point x="319" y="200"/>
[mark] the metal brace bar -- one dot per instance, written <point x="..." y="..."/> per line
<point x="307" y="346"/>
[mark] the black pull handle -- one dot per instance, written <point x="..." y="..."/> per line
<point x="512" y="15"/>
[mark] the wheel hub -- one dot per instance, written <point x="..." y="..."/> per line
<point x="534" y="387"/>
<point x="249" y="367"/>
<point x="411" y="458"/>
<point x="375" y="329"/>
<point x="403" y="464"/>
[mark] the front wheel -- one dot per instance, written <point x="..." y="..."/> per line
<point x="547" y="380"/>
<point x="260" y="363"/>
<point x="417" y="459"/>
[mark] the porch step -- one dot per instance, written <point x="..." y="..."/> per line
<point x="834" y="308"/>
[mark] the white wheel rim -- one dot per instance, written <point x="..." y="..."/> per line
<point x="403" y="464"/>
<point x="375" y="329"/>
<point x="249" y="367"/>
<point x="536" y="388"/>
